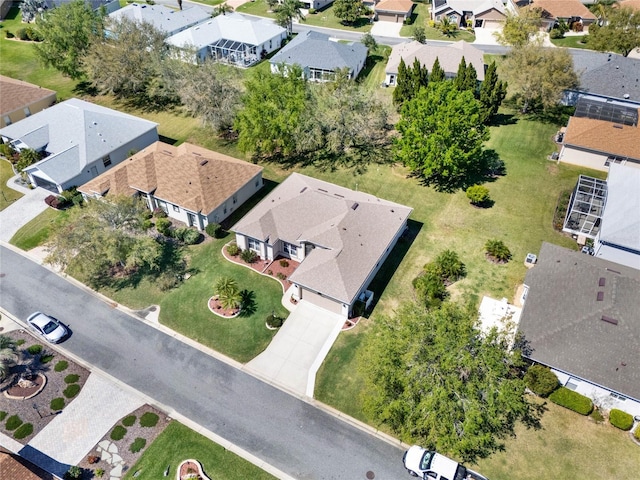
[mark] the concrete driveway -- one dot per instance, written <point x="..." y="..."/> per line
<point x="22" y="211"/>
<point x="386" y="29"/>
<point x="485" y="36"/>
<point x="296" y="352"/>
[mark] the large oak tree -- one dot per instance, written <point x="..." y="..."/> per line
<point x="619" y="33"/>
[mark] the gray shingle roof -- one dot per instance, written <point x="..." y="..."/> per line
<point x="316" y="50"/>
<point x="165" y="19"/>
<point x="621" y="217"/>
<point x="349" y="241"/>
<point x="96" y="131"/>
<point x="562" y="318"/>
<point x="609" y="75"/>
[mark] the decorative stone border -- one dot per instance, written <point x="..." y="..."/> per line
<point x="197" y="464"/>
<point x="216" y="313"/>
<point x="44" y="383"/>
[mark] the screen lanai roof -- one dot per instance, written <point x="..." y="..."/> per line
<point x="586" y="207"/>
<point x="609" y="111"/>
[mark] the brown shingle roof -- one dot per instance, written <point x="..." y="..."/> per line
<point x="16" y="94"/>
<point x="402" y="6"/>
<point x="189" y="176"/>
<point x="14" y="467"/>
<point x="565" y="8"/>
<point x="603" y="136"/>
<point x="633" y="4"/>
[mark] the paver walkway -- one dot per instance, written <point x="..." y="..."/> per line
<point x="296" y="352"/>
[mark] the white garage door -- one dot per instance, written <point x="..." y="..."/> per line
<point x="323" y="302"/>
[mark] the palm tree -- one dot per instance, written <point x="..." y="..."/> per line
<point x="8" y="355"/>
<point x="228" y="292"/>
<point x="287" y="11"/>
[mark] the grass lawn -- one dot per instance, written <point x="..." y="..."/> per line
<point x="322" y="18"/>
<point x="7" y="195"/>
<point x="568" y="446"/>
<point x="573" y="41"/>
<point x="178" y="443"/>
<point x="421" y="18"/>
<point x="372" y="75"/>
<point x="37" y="230"/>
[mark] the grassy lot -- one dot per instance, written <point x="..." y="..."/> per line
<point x="573" y="41"/>
<point x="7" y="195"/>
<point x="178" y="443"/>
<point x="421" y="18"/>
<point x="372" y="75"/>
<point x="322" y="18"/>
<point x="37" y="231"/>
<point x="568" y="446"/>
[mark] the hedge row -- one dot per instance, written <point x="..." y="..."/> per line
<point x="572" y="400"/>
<point x="620" y="419"/>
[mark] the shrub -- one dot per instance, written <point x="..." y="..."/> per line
<point x="450" y="266"/>
<point x="163" y="226"/>
<point x="270" y="272"/>
<point x="149" y="419"/>
<point x="191" y="236"/>
<point x="420" y="34"/>
<point x="99" y="472"/>
<point x="137" y="445"/>
<point x="233" y="249"/>
<point x="129" y="420"/>
<point x="23" y="431"/>
<point x="8" y="34"/>
<point x="147" y="224"/>
<point x="620" y="419"/>
<point x="159" y="213"/>
<point x="541" y="380"/>
<point x="72" y="378"/>
<point x="497" y="250"/>
<point x="93" y="459"/>
<point x="273" y="321"/>
<point x="71" y="391"/>
<point x="73" y="473"/>
<point x="312" y="11"/>
<point x="636" y="432"/>
<point x="167" y="281"/>
<point x="596" y="416"/>
<point x="214" y="230"/>
<point x="478" y="195"/>
<point x="46" y="358"/>
<point x="34" y="349"/>
<point x="284" y="263"/>
<point x="3" y="415"/>
<point x="21" y="33"/>
<point x="572" y="400"/>
<point x="13" y="422"/>
<point x="281" y="276"/>
<point x="33" y="34"/>
<point x="118" y="433"/>
<point x="20" y="342"/>
<point x="556" y="33"/>
<point x="249" y="256"/>
<point x="57" y="404"/>
<point x="429" y="287"/>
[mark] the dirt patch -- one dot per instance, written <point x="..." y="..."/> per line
<point x="37" y="410"/>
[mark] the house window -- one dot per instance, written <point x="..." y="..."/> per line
<point x="176" y="208"/>
<point x="163" y="205"/>
<point x="7" y="120"/>
<point x="106" y="161"/>
<point x="235" y="199"/>
<point x="27" y="112"/>
<point x="620" y="398"/>
<point x="572" y="384"/>
<point x="292" y="250"/>
<point x="253" y="244"/>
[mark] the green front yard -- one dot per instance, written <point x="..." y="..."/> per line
<point x="571" y="41"/>
<point x="421" y="18"/>
<point x="7" y="195"/>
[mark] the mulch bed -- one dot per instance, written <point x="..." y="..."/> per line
<point x="216" y="306"/>
<point x="134" y="431"/>
<point x="37" y="410"/>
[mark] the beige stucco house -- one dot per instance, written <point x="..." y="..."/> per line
<point x="21" y="99"/>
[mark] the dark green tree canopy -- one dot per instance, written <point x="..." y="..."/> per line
<point x="492" y="92"/>
<point x="409" y="81"/>
<point x="442" y="136"/>
<point x="437" y="73"/>
<point x="349" y="11"/>
<point x="466" y="77"/>
<point x="620" y="32"/>
<point x="435" y="379"/>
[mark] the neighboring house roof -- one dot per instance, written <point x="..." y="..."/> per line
<point x="633" y="4"/>
<point x="194" y="178"/>
<point x="314" y="49"/>
<point x="449" y="56"/>
<point x="75" y="133"/>
<point x="564" y="8"/>
<point x="17" y="94"/>
<point x="350" y="231"/>
<point x="13" y="466"/>
<point x="621" y="217"/>
<point x="233" y="27"/>
<point x="610" y="75"/>
<point x="397" y="6"/>
<point x="603" y="136"/>
<point x="163" y="18"/>
<point x="562" y="318"/>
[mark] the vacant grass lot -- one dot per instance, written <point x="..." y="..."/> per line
<point x="7" y="195"/>
<point x="571" y="41"/>
<point x="178" y="443"/>
<point x="421" y="18"/>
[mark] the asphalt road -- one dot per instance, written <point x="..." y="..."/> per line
<point x="293" y="436"/>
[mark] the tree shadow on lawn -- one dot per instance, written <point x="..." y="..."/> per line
<point x="358" y="159"/>
<point x="393" y="261"/>
<point x="248" y="302"/>
<point x="501" y="119"/>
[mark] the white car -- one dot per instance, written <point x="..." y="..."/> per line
<point x="430" y="465"/>
<point x="47" y="327"/>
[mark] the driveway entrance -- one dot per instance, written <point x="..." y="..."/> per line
<point x="296" y="352"/>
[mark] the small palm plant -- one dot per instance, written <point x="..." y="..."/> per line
<point x="228" y="293"/>
<point x="8" y="355"/>
<point x="497" y="250"/>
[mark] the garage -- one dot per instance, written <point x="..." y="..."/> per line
<point x="390" y="17"/>
<point x="322" y="301"/>
<point x="46" y="184"/>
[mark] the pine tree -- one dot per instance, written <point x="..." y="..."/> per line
<point x="459" y="81"/>
<point x="402" y="93"/>
<point x="437" y="73"/>
<point x="492" y="93"/>
<point x="420" y="76"/>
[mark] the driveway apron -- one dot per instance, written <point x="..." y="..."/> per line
<point x="22" y="211"/>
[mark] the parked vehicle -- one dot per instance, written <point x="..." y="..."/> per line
<point x="47" y="327"/>
<point x="430" y="465"/>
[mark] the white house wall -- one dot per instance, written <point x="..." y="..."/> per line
<point x="600" y="396"/>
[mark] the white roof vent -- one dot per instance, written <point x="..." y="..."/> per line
<point x="626" y="95"/>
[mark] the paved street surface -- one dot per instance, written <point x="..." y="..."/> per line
<point x="288" y="433"/>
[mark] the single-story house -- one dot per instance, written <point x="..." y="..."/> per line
<point x="341" y="238"/>
<point x="449" y="57"/>
<point x="14" y="466"/>
<point x="320" y="57"/>
<point x="163" y="18"/>
<point x="572" y="12"/>
<point x="78" y="141"/>
<point x="5" y="6"/>
<point x="581" y="318"/>
<point x="21" y="99"/>
<point x="231" y="38"/>
<point x="396" y="11"/>
<point x="191" y="184"/>
<point x="607" y="75"/>
<point x="316" y="4"/>
<point x="29" y="13"/>
<point x="463" y="13"/>
<point x="600" y="133"/>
